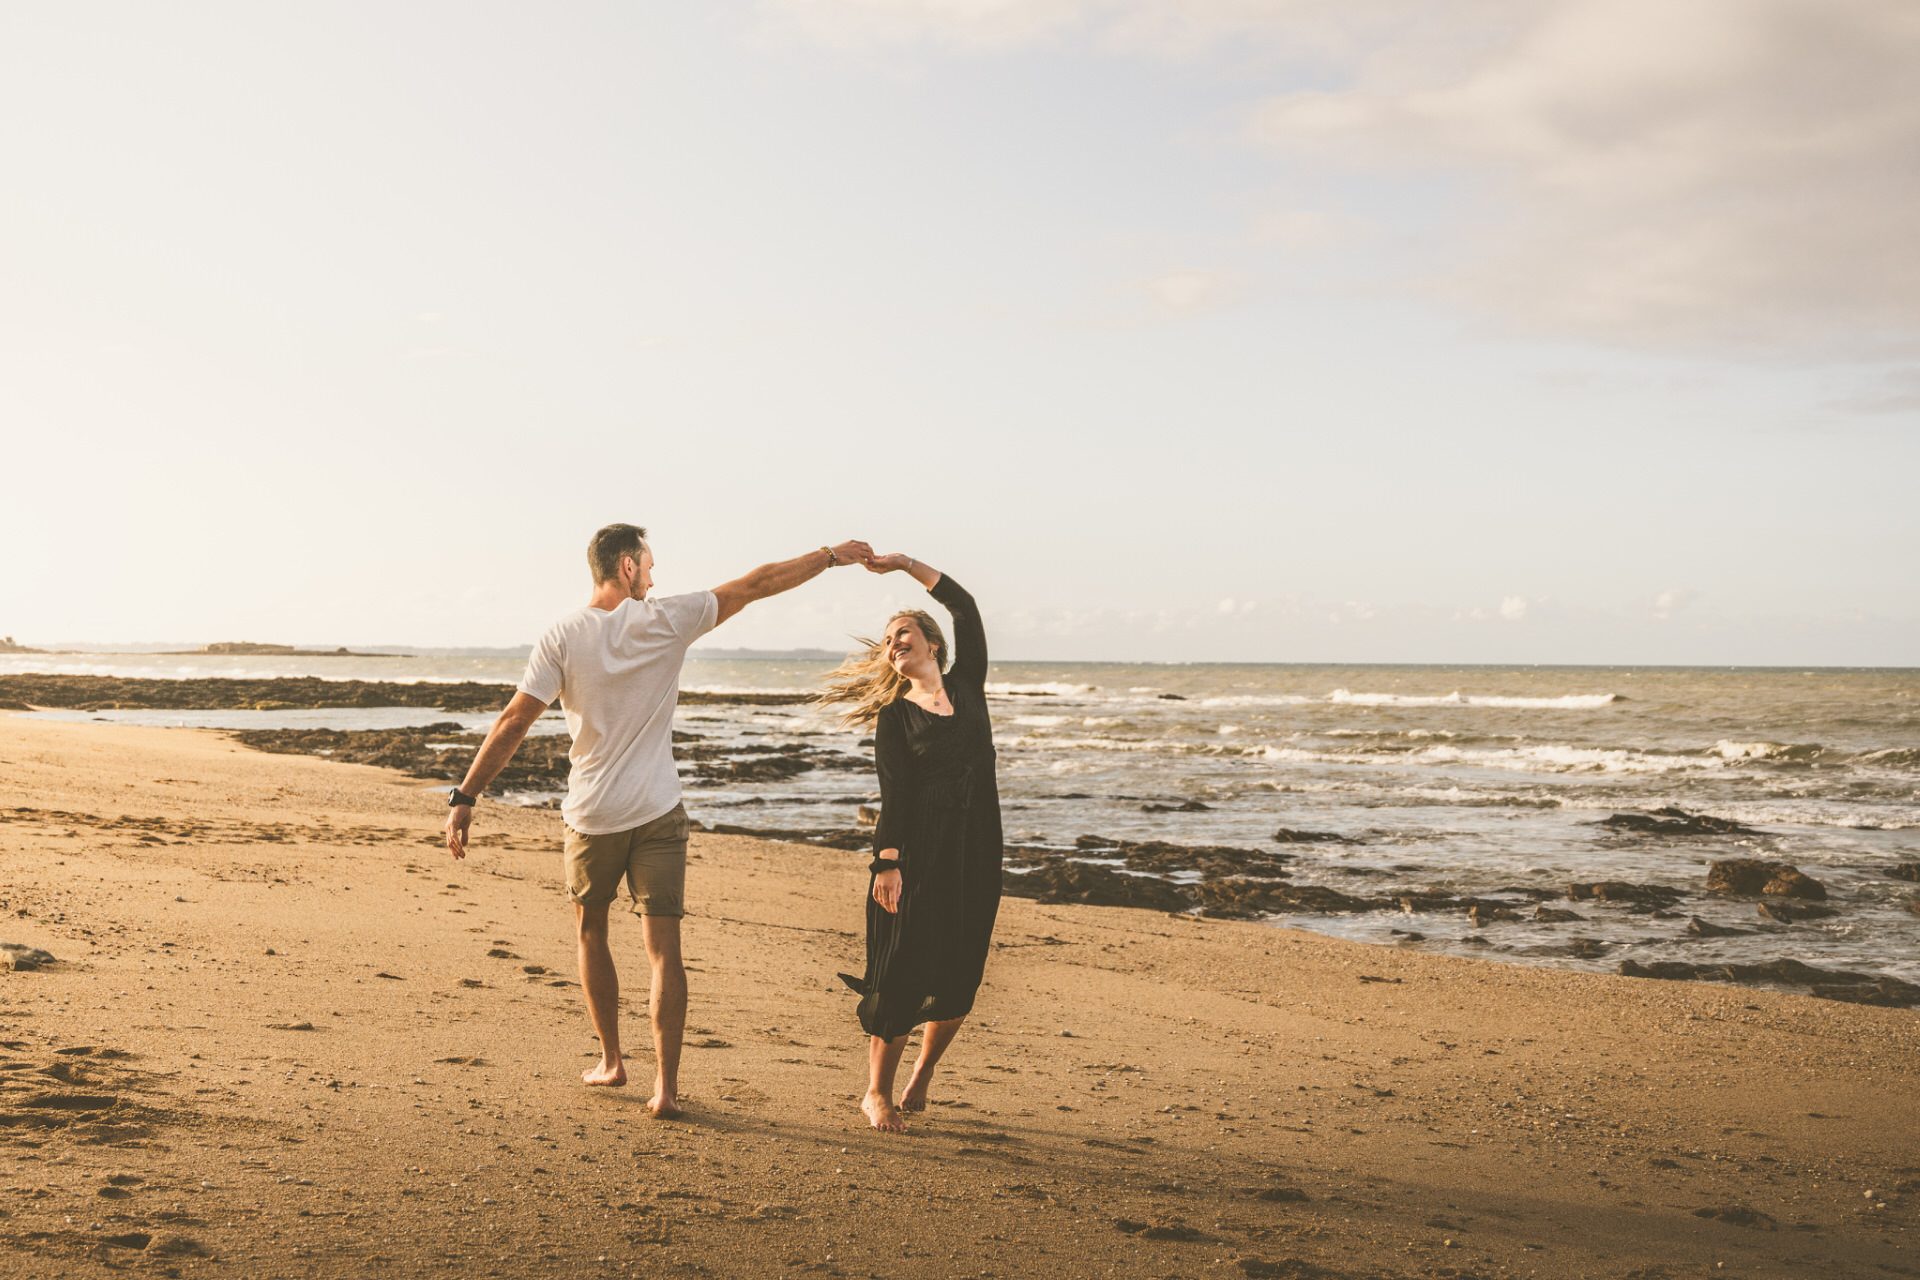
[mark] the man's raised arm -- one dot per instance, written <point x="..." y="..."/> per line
<point x="508" y="732"/>
<point x="784" y="575"/>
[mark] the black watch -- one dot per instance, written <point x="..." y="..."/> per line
<point x="460" y="797"/>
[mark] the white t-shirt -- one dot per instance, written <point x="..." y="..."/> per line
<point x="617" y="673"/>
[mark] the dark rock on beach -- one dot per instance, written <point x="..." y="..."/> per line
<point x="1246" y="898"/>
<point x="1755" y="876"/>
<point x="1698" y="928"/>
<point x="111" y="693"/>
<point x="1831" y="984"/>
<point x="17" y="955"/>
<point x="1794" y="912"/>
<point x="1177" y="806"/>
<point x="1287" y="835"/>
<point x="1906" y="871"/>
<point x="1553" y="915"/>
<point x="540" y="764"/>
<point x="1160" y="857"/>
<point x="1643" y="897"/>
<point x="1674" y="822"/>
<point x="1064" y="880"/>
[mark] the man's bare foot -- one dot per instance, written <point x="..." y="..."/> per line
<point x="612" y="1074"/>
<point x="664" y="1105"/>
<point x="915" y="1098"/>
<point x="882" y="1114"/>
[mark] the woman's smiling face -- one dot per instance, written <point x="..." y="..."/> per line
<point x="906" y="644"/>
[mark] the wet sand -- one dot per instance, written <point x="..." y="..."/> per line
<point x="285" y="1035"/>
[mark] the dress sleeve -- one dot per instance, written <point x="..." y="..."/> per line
<point x="894" y="763"/>
<point x="969" y="637"/>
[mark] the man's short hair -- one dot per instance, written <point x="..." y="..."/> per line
<point x="608" y="545"/>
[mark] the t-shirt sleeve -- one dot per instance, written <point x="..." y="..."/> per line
<point x="691" y="615"/>
<point x="546" y="669"/>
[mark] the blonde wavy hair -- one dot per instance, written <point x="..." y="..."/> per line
<point x="866" y="682"/>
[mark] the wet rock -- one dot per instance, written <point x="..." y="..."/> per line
<point x="1179" y="806"/>
<point x="19" y="956"/>
<point x="104" y="693"/>
<point x="540" y="764"/>
<point x="1888" y="993"/>
<point x="1288" y="835"/>
<point x="1623" y="891"/>
<point x="1064" y="880"/>
<point x="1833" y="984"/>
<point x="1173" y="697"/>
<point x="1906" y="871"/>
<point x="1160" y="857"/>
<point x="1794" y="912"/>
<point x="1553" y="915"/>
<point x="765" y="768"/>
<point x="1698" y="928"/>
<point x="867" y="815"/>
<point x="1483" y="914"/>
<point x="1674" y="822"/>
<point x="1751" y="876"/>
<point x="1240" y="898"/>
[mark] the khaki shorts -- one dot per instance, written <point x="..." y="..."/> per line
<point x="652" y="859"/>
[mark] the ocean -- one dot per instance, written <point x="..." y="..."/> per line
<point x="1463" y="780"/>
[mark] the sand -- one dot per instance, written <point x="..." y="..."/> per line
<point x="285" y="1035"/>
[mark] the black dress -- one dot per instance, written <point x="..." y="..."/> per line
<point x="940" y="808"/>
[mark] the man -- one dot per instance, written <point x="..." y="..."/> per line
<point x="615" y="665"/>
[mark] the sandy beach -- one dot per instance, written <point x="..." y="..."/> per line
<point x="284" y="1034"/>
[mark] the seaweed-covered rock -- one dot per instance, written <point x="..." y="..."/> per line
<point x="1906" y="871"/>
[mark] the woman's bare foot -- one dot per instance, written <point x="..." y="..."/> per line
<point x="882" y="1114"/>
<point x="664" y="1105"/>
<point x="612" y="1074"/>
<point x="915" y="1098"/>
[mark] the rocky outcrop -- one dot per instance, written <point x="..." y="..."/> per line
<point x="1794" y="912"/>
<point x="1754" y="876"/>
<point x="109" y="693"/>
<point x="18" y="955"/>
<point x="1906" y="871"/>
<point x="1831" y="984"/>
<point x="1644" y="897"/>
<point x="1674" y="822"/>
<point x="1064" y="880"/>
<point x="1698" y="928"/>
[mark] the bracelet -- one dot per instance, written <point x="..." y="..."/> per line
<point x="880" y="864"/>
<point x="833" y="558"/>
<point x="459" y="798"/>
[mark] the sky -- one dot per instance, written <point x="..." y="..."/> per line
<point x="1506" y="331"/>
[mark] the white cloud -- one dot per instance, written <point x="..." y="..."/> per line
<point x="1722" y="173"/>
<point x="1672" y="601"/>
<point x="1513" y="608"/>
<point x="1717" y="175"/>
<point x="1187" y="290"/>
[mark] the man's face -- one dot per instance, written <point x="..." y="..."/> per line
<point x="642" y="571"/>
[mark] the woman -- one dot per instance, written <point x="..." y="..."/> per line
<point x="936" y="866"/>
